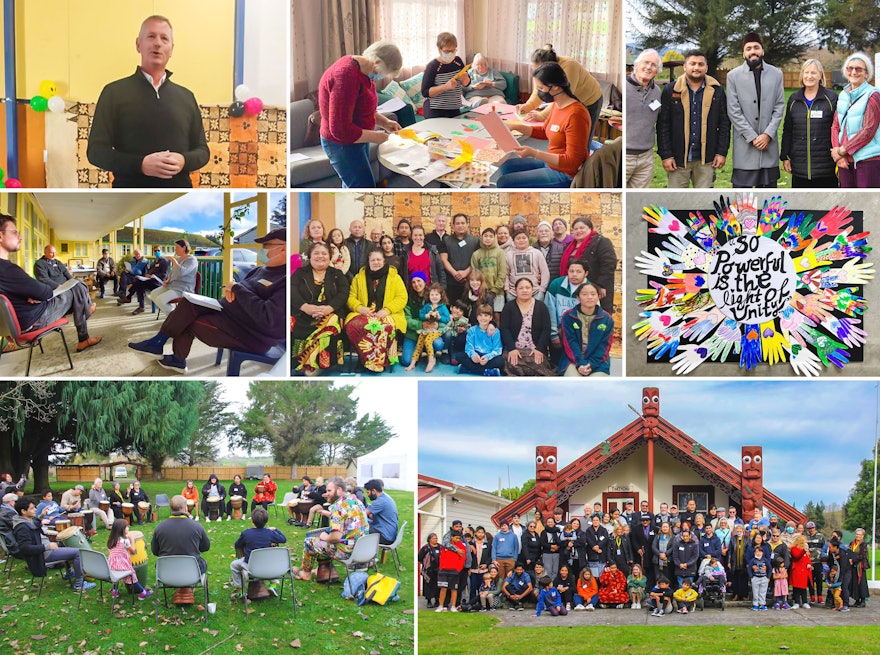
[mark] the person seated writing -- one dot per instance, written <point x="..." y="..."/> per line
<point x="155" y="276"/>
<point x="249" y="540"/>
<point x="253" y="315"/>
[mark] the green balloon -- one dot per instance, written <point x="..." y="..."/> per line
<point x="39" y="103"/>
<point x="2" y="174"/>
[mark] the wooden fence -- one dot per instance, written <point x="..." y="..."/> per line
<point x="82" y="472"/>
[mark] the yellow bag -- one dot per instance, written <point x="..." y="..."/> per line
<point x="381" y="588"/>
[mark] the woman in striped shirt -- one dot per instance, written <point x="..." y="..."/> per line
<point x="440" y="86"/>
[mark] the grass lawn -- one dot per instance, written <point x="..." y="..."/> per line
<point x="722" y="179"/>
<point x="464" y="634"/>
<point x="325" y="623"/>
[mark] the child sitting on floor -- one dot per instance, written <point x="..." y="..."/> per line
<point x="686" y="596"/>
<point x="635" y="587"/>
<point x="660" y="598"/>
<point x="549" y="599"/>
<point x="456" y="330"/>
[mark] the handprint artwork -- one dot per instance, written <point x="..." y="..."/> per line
<point x="753" y="283"/>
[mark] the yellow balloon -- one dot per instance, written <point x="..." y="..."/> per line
<point x="48" y="88"/>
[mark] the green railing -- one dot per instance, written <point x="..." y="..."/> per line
<point x="211" y="272"/>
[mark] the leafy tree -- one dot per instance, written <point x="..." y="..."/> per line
<point x="279" y="212"/>
<point x="512" y="493"/>
<point x="215" y="423"/>
<point x="850" y="24"/>
<point x="304" y="423"/>
<point x="815" y="512"/>
<point x="858" y="510"/>
<point x="787" y="27"/>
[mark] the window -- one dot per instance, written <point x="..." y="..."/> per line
<point x="413" y="26"/>
<point x="391" y="470"/>
<point x="703" y="496"/>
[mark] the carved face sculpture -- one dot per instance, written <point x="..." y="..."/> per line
<point x="650" y="402"/>
<point x="545" y="463"/>
<point x="752" y="464"/>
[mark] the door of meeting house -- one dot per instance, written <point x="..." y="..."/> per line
<point x="617" y="500"/>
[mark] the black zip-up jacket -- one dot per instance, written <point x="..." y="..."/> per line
<point x="673" y="126"/>
<point x="806" y="135"/>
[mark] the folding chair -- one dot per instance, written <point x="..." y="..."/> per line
<point x="162" y="500"/>
<point x="50" y="566"/>
<point x="176" y="571"/>
<point x="8" y="559"/>
<point x="10" y="327"/>
<point x="268" y="564"/>
<point x="363" y="555"/>
<point x="95" y="564"/>
<point x="393" y="546"/>
<point x="287" y="498"/>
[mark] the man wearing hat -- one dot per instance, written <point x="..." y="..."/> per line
<point x="642" y="534"/>
<point x="252" y="314"/>
<point x="755" y="105"/>
<point x="815" y="544"/>
<point x="106" y="270"/>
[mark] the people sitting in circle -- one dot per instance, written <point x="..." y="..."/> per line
<point x="49" y="511"/>
<point x="191" y="494"/>
<point x="136" y="495"/>
<point x="176" y="537"/>
<point x="120" y="549"/>
<point x="264" y="494"/>
<point x="213" y="499"/>
<point x="382" y="511"/>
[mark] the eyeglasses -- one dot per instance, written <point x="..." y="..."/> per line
<point x="12" y="231"/>
<point x="855" y="69"/>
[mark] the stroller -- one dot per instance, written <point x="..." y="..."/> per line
<point x="711" y="589"/>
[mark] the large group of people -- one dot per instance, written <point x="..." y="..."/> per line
<point x="827" y="139"/>
<point x="547" y="301"/>
<point x="668" y="560"/>
<point x="566" y="100"/>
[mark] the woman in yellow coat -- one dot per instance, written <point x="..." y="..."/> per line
<point x="376" y="300"/>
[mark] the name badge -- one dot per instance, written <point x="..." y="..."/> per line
<point x="815" y="113"/>
<point x="618" y="551"/>
<point x="655" y="105"/>
<point x="681" y="547"/>
<point x="265" y="282"/>
<point x="462" y="243"/>
<point x="554" y="128"/>
<point x="601" y="538"/>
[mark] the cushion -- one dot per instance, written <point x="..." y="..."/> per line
<point x="413" y="88"/>
<point x="313" y="130"/>
<point x="511" y="93"/>
<point x="394" y="90"/>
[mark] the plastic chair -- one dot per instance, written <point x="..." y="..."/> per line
<point x="176" y="571"/>
<point x="393" y="546"/>
<point x="239" y="357"/>
<point x="95" y="564"/>
<point x="9" y="326"/>
<point x="363" y="555"/>
<point x="268" y="564"/>
<point x="287" y="498"/>
<point x="162" y="500"/>
<point x="8" y="557"/>
<point x="50" y="566"/>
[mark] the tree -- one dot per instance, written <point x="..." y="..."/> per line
<point x="815" y="512"/>
<point x="308" y="423"/>
<point x="850" y="24"/>
<point x="154" y="419"/>
<point x="858" y="511"/>
<point x="215" y="422"/>
<point x="716" y="26"/>
<point x="512" y="493"/>
<point x="279" y="212"/>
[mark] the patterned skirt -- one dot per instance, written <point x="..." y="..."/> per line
<point x="319" y="350"/>
<point x="374" y="340"/>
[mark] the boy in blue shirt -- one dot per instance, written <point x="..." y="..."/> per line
<point x="482" y="351"/>
<point x="549" y="599"/>
<point x="249" y="540"/>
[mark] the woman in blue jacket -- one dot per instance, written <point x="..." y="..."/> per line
<point x="586" y="331"/>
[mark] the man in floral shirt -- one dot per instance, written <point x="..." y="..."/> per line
<point x="348" y="522"/>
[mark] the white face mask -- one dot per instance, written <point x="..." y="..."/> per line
<point x="447" y="57"/>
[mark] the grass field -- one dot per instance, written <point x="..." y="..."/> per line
<point x="722" y="180"/>
<point x="464" y="634"/>
<point x="325" y="623"/>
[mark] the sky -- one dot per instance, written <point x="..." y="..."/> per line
<point x="201" y="212"/>
<point x="814" y="433"/>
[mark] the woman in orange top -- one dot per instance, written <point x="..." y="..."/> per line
<point x="191" y="493"/>
<point x="566" y="130"/>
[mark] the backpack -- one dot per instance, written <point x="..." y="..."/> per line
<point x="380" y="589"/>
<point x="354" y="584"/>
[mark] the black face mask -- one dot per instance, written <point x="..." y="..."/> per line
<point x="545" y="96"/>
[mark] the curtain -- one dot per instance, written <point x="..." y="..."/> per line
<point x="586" y="30"/>
<point x="306" y="48"/>
<point x="349" y="27"/>
<point x="413" y="25"/>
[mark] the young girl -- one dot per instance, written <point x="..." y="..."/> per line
<point x="636" y="585"/>
<point x="339" y="256"/>
<point x="433" y="314"/>
<point x="565" y="586"/>
<point x="477" y="293"/>
<point x="586" y="595"/>
<point x="780" y="587"/>
<point x="120" y="549"/>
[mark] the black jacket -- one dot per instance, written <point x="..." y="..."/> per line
<point x="673" y="131"/>
<point x="806" y="140"/>
<point x="598" y="537"/>
<point x="511" y="324"/>
<point x="29" y="535"/>
<point x="303" y="290"/>
<point x="530" y="549"/>
<point x="551" y="537"/>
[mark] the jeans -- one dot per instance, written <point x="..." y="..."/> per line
<point x="70" y="555"/>
<point x="531" y="172"/>
<point x="351" y="162"/>
<point x="580" y="600"/>
<point x="409" y="347"/>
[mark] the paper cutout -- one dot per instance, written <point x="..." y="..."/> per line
<point x="462" y="72"/>
<point x="499" y="131"/>
<point x="759" y="283"/>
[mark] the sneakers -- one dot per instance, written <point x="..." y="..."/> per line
<point x="146" y="593"/>
<point x="657" y="612"/>
<point x="197" y="517"/>
<point x="620" y="606"/>
<point x="590" y="607"/>
<point x="243" y="517"/>
<point x="795" y="606"/>
<point x="229" y="518"/>
<point x="763" y="608"/>
<point x="520" y="608"/>
<point x="82" y="585"/>
<point x="114" y="593"/>
<point x="272" y="590"/>
<point x="806" y="606"/>
<point x="512" y="608"/>
<point x="172" y="363"/>
<point x="777" y="606"/>
<point x="454" y="609"/>
<point x="68" y="574"/>
<point x="568" y="607"/>
<point x="443" y="609"/>
<point x="579" y="608"/>
<point x="842" y="609"/>
<point x="812" y="599"/>
<point x="148" y="346"/>
<point x="207" y="519"/>
<point x="638" y="606"/>
<point x="755" y="608"/>
<point x="683" y="610"/>
<point x="786" y="606"/>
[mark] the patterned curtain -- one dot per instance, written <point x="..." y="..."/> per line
<point x="586" y="30"/>
<point x="349" y="27"/>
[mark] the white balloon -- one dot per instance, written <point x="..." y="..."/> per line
<point x="243" y="92"/>
<point x="56" y="104"/>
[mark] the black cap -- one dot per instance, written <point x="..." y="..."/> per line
<point x="645" y="516"/>
<point x="278" y="234"/>
<point x="752" y="37"/>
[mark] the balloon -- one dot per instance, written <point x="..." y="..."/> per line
<point x="39" y="103"/>
<point x="2" y="174"/>
<point x="236" y="109"/>
<point x="56" y="104"/>
<point x="13" y="183"/>
<point x="253" y="106"/>
<point x="243" y="92"/>
<point x="48" y="88"/>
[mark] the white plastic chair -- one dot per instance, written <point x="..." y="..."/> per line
<point x="268" y="564"/>
<point x="287" y="498"/>
<point x="95" y="564"/>
<point x="176" y="571"/>
<point x="393" y="546"/>
<point x="363" y="555"/>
